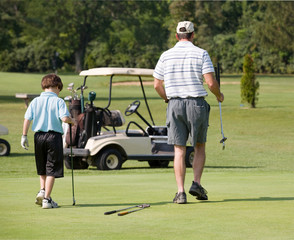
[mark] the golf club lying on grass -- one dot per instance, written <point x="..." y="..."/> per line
<point x="217" y="75"/>
<point x="71" y="159"/>
<point x="141" y="207"/>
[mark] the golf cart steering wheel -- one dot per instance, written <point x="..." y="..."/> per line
<point x="132" y="108"/>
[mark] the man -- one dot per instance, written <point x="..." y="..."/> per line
<point x="178" y="79"/>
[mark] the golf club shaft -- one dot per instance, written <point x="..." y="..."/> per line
<point x="115" y="211"/>
<point x="71" y="159"/>
<point x="127" y="212"/>
<point x="221" y="121"/>
<point x="139" y="206"/>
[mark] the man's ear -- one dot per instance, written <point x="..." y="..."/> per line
<point x="192" y="36"/>
<point x="177" y="37"/>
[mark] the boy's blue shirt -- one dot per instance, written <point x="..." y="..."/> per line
<point x="46" y="112"/>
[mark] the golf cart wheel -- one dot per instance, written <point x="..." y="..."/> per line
<point x="4" y="148"/>
<point x="110" y="159"/>
<point x="78" y="163"/>
<point x="189" y="156"/>
<point x="158" y="163"/>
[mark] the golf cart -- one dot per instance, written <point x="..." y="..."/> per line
<point x="4" y="145"/>
<point x="97" y="142"/>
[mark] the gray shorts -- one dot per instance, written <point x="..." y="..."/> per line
<point x="186" y="116"/>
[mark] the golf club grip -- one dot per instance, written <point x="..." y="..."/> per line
<point x="110" y="212"/>
<point x="123" y="213"/>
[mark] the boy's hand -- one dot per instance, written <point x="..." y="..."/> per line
<point x="24" y="142"/>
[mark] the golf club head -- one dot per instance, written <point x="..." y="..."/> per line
<point x="144" y="205"/>
<point x="67" y="98"/>
<point x="82" y="88"/>
<point x="223" y="140"/>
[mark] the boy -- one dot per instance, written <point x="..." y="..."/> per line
<point x="47" y="112"/>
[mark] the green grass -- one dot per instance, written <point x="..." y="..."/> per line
<point x="250" y="183"/>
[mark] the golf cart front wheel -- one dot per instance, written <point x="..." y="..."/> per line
<point x="110" y="159"/>
<point x="4" y="148"/>
<point x="158" y="163"/>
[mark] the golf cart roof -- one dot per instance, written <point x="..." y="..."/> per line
<point x="109" y="71"/>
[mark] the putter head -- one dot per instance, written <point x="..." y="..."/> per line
<point x="223" y="142"/>
<point x="144" y="205"/>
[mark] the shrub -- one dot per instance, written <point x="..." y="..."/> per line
<point x="249" y="86"/>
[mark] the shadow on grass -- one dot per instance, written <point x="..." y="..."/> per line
<point x="18" y="155"/>
<point x="232" y="167"/>
<point x="120" y="205"/>
<point x="260" y="199"/>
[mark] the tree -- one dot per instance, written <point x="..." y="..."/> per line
<point x="249" y="86"/>
<point x="135" y="36"/>
<point x="66" y="24"/>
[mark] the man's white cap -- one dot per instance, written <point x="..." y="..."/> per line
<point x="185" y="27"/>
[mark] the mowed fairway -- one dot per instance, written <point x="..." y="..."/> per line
<point x="250" y="184"/>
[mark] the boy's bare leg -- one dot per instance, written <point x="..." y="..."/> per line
<point x="180" y="166"/>
<point x="42" y="181"/>
<point x="49" y="186"/>
<point x="198" y="161"/>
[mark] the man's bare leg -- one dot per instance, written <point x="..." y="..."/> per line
<point x="180" y="166"/>
<point x="198" y="161"/>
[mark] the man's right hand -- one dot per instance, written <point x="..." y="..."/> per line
<point x="220" y="98"/>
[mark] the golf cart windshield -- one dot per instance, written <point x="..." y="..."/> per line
<point x="105" y="71"/>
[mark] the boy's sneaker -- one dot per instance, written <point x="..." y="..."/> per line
<point x="40" y="196"/>
<point x="180" y="198"/>
<point x="49" y="203"/>
<point x="198" y="191"/>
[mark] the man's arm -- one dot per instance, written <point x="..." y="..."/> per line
<point x="213" y="86"/>
<point x="158" y="86"/>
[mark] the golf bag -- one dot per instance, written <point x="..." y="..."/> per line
<point x="90" y="123"/>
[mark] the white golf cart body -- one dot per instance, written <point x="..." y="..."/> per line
<point x="3" y="130"/>
<point x="4" y="145"/>
<point x="109" y="149"/>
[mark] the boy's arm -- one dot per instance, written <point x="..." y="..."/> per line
<point x="24" y="140"/>
<point x="26" y="125"/>
<point x="67" y="120"/>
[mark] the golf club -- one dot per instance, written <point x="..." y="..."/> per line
<point x="82" y="88"/>
<point x="217" y="75"/>
<point x="142" y="206"/>
<point x="71" y="159"/>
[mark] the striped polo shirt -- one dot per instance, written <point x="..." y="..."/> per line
<point x="182" y="68"/>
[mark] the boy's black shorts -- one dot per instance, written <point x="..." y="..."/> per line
<point x="49" y="153"/>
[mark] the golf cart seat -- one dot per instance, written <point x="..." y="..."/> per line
<point x="112" y="118"/>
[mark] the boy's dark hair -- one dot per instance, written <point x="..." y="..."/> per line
<point x="184" y="35"/>
<point x="51" y="80"/>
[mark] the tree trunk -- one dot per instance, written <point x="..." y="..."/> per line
<point x="79" y="59"/>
